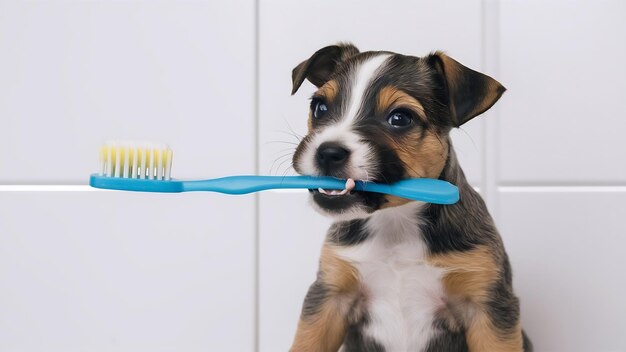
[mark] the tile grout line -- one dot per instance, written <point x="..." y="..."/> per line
<point x="540" y="184"/>
<point x="490" y="55"/>
<point x="257" y="169"/>
<point x="562" y="189"/>
<point x="522" y="187"/>
<point x="483" y="177"/>
<point x="50" y="188"/>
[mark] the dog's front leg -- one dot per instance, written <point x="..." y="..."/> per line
<point x="479" y="285"/>
<point x="322" y="324"/>
<point x="327" y="305"/>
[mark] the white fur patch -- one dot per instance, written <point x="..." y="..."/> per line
<point x="360" y="164"/>
<point x="359" y="161"/>
<point x="365" y="73"/>
<point x="402" y="292"/>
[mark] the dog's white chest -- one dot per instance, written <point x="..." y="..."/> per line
<point x="402" y="293"/>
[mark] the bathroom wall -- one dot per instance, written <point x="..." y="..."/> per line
<point x="84" y="269"/>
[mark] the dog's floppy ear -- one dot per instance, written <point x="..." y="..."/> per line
<point x="321" y="65"/>
<point x="470" y="93"/>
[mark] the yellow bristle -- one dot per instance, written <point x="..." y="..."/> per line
<point x="141" y="160"/>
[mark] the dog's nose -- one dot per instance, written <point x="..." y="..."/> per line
<point x="331" y="156"/>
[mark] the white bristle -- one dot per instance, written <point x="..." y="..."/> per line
<point x="168" y="163"/>
<point x="125" y="167"/>
<point x="140" y="160"/>
<point x="159" y="170"/>
<point x="142" y="171"/>
<point x="118" y="160"/>
<point x="134" y="164"/>
<point x="151" y="164"/>
<point x="109" y="162"/>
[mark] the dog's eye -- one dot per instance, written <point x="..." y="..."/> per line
<point x="399" y="119"/>
<point x="319" y="108"/>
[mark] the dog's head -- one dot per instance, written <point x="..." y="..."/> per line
<point x="383" y="117"/>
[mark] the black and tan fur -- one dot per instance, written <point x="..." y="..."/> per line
<point x="481" y="312"/>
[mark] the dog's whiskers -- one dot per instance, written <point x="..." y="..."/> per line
<point x="281" y="165"/>
<point x="291" y="129"/>
<point x="292" y="134"/>
<point x="287" y="155"/>
<point x="283" y="142"/>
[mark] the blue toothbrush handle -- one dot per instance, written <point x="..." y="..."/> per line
<point x="249" y="184"/>
<point x="422" y="189"/>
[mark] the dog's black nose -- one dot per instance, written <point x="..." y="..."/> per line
<point x="331" y="156"/>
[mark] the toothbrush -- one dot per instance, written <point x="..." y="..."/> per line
<point x="145" y="167"/>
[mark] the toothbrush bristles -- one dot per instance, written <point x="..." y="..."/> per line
<point x="140" y="160"/>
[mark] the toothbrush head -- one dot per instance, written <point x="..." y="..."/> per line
<point x="136" y="160"/>
<point x="135" y="166"/>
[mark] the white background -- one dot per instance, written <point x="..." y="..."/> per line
<point x="86" y="270"/>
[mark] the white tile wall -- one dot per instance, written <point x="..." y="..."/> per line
<point x="563" y="117"/>
<point x="95" y="271"/>
<point x="566" y="248"/>
<point x="117" y="271"/>
<point x="291" y="238"/>
<point x="76" y="73"/>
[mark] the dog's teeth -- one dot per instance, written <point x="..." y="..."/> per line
<point x="332" y="192"/>
<point x="335" y="192"/>
<point x="349" y="185"/>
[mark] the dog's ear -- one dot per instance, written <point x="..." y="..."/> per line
<point x="470" y="93"/>
<point x="321" y="65"/>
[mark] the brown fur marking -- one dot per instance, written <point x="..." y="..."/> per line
<point x="481" y="335"/>
<point x="337" y="273"/>
<point x="454" y="70"/>
<point x="325" y="330"/>
<point x="469" y="276"/>
<point x="328" y="91"/>
<point x="423" y="154"/>
<point x="391" y="98"/>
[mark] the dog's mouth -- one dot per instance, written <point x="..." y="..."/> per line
<point x="348" y="189"/>
<point x="335" y="201"/>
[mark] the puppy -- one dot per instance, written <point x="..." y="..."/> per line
<point x="398" y="275"/>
